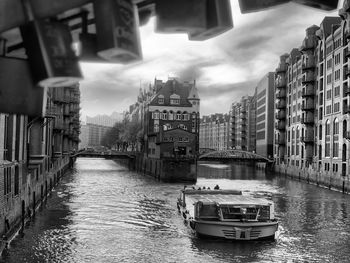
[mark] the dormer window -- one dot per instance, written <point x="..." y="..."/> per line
<point x="160" y="99"/>
<point x="174" y="99"/>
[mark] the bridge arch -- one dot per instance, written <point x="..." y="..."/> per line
<point x="234" y="154"/>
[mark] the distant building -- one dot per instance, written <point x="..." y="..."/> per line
<point x="243" y="124"/>
<point x="214" y="132"/>
<point x="92" y="135"/>
<point x="265" y="100"/>
<point x="105" y="120"/>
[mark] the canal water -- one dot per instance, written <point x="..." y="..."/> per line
<point x="101" y="212"/>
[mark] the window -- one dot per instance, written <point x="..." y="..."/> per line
<point x="174" y="101"/>
<point x="171" y="115"/>
<point x="160" y="99"/>
<point x="335" y="149"/>
<point x="16" y="186"/>
<point x="337" y="107"/>
<point x="329" y="109"/>
<point x="7" y="180"/>
<point x="163" y="116"/>
<point x="185" y="117"/>
<point x="328" y="128"/>
<point x="337" y="59"/>
<point x="336" y="127"/>
<point x="155" y="115"/>
<point x="337" y="75"/>
<point x="156" y="128"/>
<point x="178" y="116"/>
<point x="329" y="78"/>
<point x="329" y="63"/>
<point x="329" y="94"/>
<point x="336" y="91"/>
<point x="320" y="132"/>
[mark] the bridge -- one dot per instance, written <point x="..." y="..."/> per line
<point x="233" y="155"/>
<point x="112" y="155"/>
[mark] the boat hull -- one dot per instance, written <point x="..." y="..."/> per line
<point x="235" y="230"/>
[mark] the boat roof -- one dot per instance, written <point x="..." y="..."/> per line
<point x="226" y="199"/>
<point x="211" y="192"/>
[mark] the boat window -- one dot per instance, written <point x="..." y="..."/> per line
<point x="230" y="212"/>
<point x="207" y="211"/>
<point x="264" y="213"/>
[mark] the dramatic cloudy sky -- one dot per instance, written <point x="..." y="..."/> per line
<point x="225" y="68"/>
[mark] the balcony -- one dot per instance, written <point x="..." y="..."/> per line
<point x="309" y="65"/>
<point x="346" y="72"/>
<point x="242" y="116"/>
<point x="280" y="125"/>
<point x="281" y="104"/>
<point x="307" y="44"/>
<point x="280" y="115"/>
<point x="308" y="78"/>
<point x="346" y="90"/>
<point x="281" y="94"/>
<point x="307" y="139"/>
<point x="308" y="106"/>
<point x="308" y="91"/>
<point x="346" y="54"/>
<point x="282" y="68"/>
<point x="280" y="141"/>
<point x="280" y="83"/>
<point x="346" y="109"/>
<point x="309" y="119"/>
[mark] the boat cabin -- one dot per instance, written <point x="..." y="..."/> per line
<point x="224" y="205"/>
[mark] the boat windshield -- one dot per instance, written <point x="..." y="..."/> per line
<point x="207" y="211"/>
<point x="231" y="212"/>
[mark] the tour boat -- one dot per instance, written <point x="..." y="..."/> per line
<point x="227" y="214"/>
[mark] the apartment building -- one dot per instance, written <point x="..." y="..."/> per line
<point x="312" y="104"/>
<point x="243" y="124"/>
<point x="265" y="115"/>
<point x="214" y="132"/>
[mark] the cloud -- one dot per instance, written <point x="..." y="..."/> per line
<point x="225" y="68"/>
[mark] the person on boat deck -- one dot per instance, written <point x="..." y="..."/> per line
<point x="216" y="187"/>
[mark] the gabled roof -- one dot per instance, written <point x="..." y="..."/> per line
<point x="173" y="86"/>
<point x="193" y="95"/>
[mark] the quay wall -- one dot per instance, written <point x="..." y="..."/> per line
<point x="167" y="169"/>
<point x="19" y="207"/>
<point x="325" y="179"/>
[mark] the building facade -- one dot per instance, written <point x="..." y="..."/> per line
<point x="214" y="132"/>
<point x="312" y="104"/>
<point x="243" y="124"/>
<point x="105" y="120"/>
<point x="92" y="134"/>
<point x="171" y="125"/>
<point x="265" y="115"/>
<point x="34" y="153"/>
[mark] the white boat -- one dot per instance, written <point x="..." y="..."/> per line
<point x="227" y="214"/>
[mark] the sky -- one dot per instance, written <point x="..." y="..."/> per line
<point x="225" y="68"/>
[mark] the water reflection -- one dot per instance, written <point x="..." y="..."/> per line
<point x="104" y="213"/>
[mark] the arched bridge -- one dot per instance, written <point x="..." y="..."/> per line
<point x="234" y="154"/>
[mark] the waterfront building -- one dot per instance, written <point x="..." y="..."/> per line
<point x="214" y="132"/>
<point x="172" y="120"/>
<point x="243" y="124"/>
<point x="265" y="115"/>
<point x="34" y="153"/>
<point x="312" y="108"/>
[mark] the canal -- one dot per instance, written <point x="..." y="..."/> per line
<point x="101" y="212"/>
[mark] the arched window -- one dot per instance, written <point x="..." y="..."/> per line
<point x="328" y="127"/>
<point x="335" y="126"/>
<point x="185" y="116"/>
<point x="178" y="115"/>
<point x="164" y="115"/>
<point x="155" y="115"/>
<point x="345" y="125"/>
